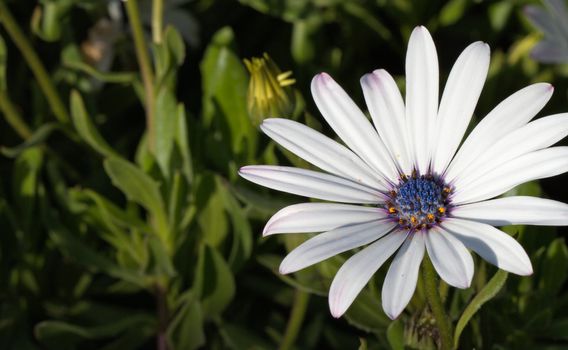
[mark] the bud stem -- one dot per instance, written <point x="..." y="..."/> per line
<point x="436" y="306"/>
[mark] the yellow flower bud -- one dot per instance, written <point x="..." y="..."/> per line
<point x="269" y="92"/>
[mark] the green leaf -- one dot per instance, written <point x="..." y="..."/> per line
<point x="558" y="330"/>
<point x="85" y="127"/>
<point x="185" y="330"/>
<point x="452" y="12"/>
<point x="286" y="10"/>
<point x="62" y="333"/>
<point x="212" y="218"/>
<point x="139" y="188"/>
<point x="302" y="45"/>
<point x="499" y="13"/>
<point x="225" y="84"/>
<point x="487" y="293"/>
<point x="53" y="332"/>
<point x="85" y="255"/>
<point x="554" y="270"/>
<point x="395" y="335"/>
<point x="47" y="20"/>
<point x="214" y="283"/>
<point x="168" y="55"/>
<point x="39" y="136"/>
<point x="106" y="77"/>
<point x="240" y="337"/>
<point x="182" y="144"/>
<point x="261" y="205"/>
<point x="362" y="14"/>
<point x="317" y="285"/>
<point x="162" y="262"/>
<point x="25" y="185"/>
<point x="112" y="213"/>
<point x="242" y="232"/>
<point x="175" y="45"/>
<point x="166" y="112"/>
<point x="367" y="314"/>
<point x="3" y="60"/>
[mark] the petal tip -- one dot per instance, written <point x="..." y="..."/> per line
<point x="527" y="271"/>
<point x="336" y="311"/>
<point x="393" y="316"/>
<point x="284" y="268"/>
<point x="323" y="77"/>
<point x="379" y="72"/>
<point x="244" y="170"/>
<point x="266" y="231"/>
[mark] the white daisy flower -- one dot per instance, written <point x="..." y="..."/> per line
<point x="418" y="191"/>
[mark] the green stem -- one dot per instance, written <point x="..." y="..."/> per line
<point x="145" y="68"/>
<point x="436" y="305"/>
<point x="13" y="117"/>
<point x="301" y="299"/>
<point x="39" y="71"/>
<point x="157" y="20"/>
<point x="162" y="313"/>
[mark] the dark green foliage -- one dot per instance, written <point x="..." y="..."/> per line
<point x="109" y="240"/>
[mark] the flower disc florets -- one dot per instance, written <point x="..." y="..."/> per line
<point x="419" y="201"/>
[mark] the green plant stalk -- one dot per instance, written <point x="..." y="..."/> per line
<point x="33" y="61"/>
<point x="13" y="117"/>
<point x="436" y="305"/>
<point x="145" y="68"/>
<point x="301" y="299"/>
<point x="162" y="311"/>
<point x="157" y="20"/>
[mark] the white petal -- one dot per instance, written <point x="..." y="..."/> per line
<point x="450" y="258"/>
<point x="386" y="107"/>
<point x="320" y="150"/>
<point x="330" y="243"/>
<point x="319" y="217"/>
<point x="536" y="135"/>
<point x="347" y="120"/>
<point x="400" y="282"/>
<point x="356" y="272"/>
<point x="493" y="245"/>
<point x="459" y="99"/>
<point x="532" y="166"/>
<point x="309" y="183"/>
<point x="517" y="210"/>
<point x="421" y="95"/>
<point x="509" y="115"/>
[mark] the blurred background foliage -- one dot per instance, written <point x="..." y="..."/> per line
<point x="124" y="224"/>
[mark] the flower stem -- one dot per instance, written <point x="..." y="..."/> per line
<point x="157" y="20"/>
<point x="162" y="311"/>
<point x="39" y="71"/>
<point x="145" y="68"/>
<point x="436" y="305"/>
<point x="13" y="117"/>
<point x="301" y="299"/>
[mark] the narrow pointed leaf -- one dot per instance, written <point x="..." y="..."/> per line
<point x="487" y="293"/>
<point x="86" y="128"/>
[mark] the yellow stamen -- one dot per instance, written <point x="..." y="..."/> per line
<point x="441" y="210"/>
<point x="392" y="210"/>
<point x="430" y="217"/>
<point x="413" y="220"/>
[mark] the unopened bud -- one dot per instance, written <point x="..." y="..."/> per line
<point x="270" y="93"/>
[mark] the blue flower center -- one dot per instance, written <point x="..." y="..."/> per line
<point x="418" y="202"/>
